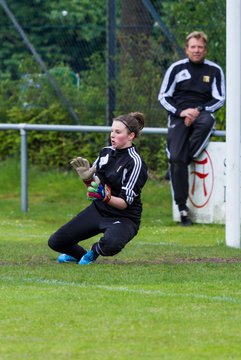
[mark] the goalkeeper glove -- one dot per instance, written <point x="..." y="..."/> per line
<point x="99" y="192"/>
<point x="83" y="169"/>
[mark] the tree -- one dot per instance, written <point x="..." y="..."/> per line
<point x="61" y="30"/>
<point x="136" y="28"/>
<point x="185" y="16"/>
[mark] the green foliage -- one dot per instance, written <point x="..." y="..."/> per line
<point x="72" y="45"/>
<point x="84" y="24"/>
<point x="153" y="151"/>
<point x="92" y="92"/>
<point x="139" y="79"/>
<point x="209" y="16"/>
<point x="33" y="101"/>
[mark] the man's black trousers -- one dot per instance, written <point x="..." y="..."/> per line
<point x="183" y="145"/>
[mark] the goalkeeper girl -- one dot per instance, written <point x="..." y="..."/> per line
<point x="114" y="185"/>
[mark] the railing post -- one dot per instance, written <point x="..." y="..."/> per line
<point x="111" y="61"/>
<point x="24" y="171"/>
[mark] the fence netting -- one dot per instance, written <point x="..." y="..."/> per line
<point x="83" y="62"/>
<point x="92" y="61"/>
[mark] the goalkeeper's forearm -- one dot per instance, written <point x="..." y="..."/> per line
<point x="117" y="203"/>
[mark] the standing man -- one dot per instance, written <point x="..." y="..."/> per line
<point x="192" y="90"/>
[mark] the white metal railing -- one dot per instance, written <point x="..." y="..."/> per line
<point x="24" y="128"/>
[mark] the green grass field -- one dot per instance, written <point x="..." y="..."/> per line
<point x="173" y="293"/>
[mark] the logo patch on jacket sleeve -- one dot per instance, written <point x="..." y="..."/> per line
<point x="183" y="75"/>
<point x="103" y="160"/>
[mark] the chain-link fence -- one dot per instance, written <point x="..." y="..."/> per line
<point x="105" y="59"/>
<point x="82" y="62"/>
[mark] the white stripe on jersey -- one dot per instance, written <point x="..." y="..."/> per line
<point x="215" y="93"/>
<point x="163" y="93"/>
<point x="134" y="175"/>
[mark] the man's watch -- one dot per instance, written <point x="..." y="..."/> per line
<point x="200" y="108"/>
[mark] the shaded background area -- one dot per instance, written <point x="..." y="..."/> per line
<point x="83" y="62"/>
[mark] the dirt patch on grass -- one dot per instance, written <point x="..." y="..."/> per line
<point x="33" y="261"/>
<point x="213" y="260"/>
<point x="169" y="261"/>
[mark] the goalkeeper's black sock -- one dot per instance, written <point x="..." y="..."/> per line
<point x="93" y="248"/>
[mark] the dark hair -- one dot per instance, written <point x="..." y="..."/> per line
<point x="134" y="122"/>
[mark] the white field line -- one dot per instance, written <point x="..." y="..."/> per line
<point x="227" y="299"/>
<point x="160" y="243"/>
<point x="21" y="235"/>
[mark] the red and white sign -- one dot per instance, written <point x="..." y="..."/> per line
<point x="201" y="180"/>
<point x="207" y="186"/>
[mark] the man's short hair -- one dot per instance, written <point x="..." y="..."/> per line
<point x="197" y="35"/>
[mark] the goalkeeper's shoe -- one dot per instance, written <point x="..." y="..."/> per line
<point x="64" y="258"/>
<point x="185" y="220"/>
<point x="88" y="258"/>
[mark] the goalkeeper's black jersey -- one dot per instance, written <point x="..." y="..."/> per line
<point x="188" y="85"/>
<point x="126" y="173"/>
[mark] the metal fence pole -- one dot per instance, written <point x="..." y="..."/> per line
<point x="24" y="171"/>
<point x="111" y="61"/>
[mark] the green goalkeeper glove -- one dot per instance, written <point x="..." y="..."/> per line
<point x="83" y="169"/>
<point x="99" y="192"/>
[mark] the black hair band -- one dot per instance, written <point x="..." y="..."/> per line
<point x="124" y="122"/>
